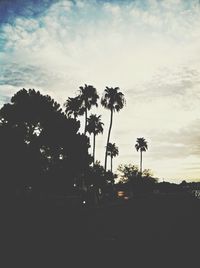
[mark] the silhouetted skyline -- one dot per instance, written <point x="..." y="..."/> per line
<point x="149" y="49"/>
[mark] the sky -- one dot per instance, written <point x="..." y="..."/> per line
<point x="150" y="49"/>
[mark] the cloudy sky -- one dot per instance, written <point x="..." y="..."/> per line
<point x="148" y="48"/>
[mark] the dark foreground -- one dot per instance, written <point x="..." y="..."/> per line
<point x="159" y="218"/>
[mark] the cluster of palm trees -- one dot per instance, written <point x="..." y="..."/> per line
<point x="112" y="100"/>
<point x="94" y="126"/>
<point x="87" y="97"/>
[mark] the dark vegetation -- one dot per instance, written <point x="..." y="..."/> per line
<point x="51" y="187"/>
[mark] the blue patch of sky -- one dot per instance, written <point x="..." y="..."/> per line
<point x="10" y="9"/>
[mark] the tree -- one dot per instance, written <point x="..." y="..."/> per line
<point x="112" y="100"/>
<point x="95" y="126"/>
<point x="88" y="97"/>
<point x="112" y="152"/>
<point x="96" y="176"/>
<point x="73" y="107"/>
<point x="14" y="160"/>
<point x="46" y="141"/>
<point x="137" y="182"/>
<point x="128" y="171"/>
<point x="148" y="173"/>
<point x="131" y="177"/>
<point x="97" y="180"/>
<point x="141" y="145"/>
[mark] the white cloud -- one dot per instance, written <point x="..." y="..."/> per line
<point x="151" y="53"/>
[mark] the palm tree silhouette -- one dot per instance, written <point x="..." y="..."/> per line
<point x="113" y="151"/>
<point x="95" y="126"/>
<point x="73" y="107"/>
<point x="141" y="145"/>
<point x="88" y="97"/>
<point x="112" y="100"/>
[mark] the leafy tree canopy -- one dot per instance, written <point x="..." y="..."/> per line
<point x="130" y="173"/>
<point x="99" y="177"/>
<point x="127" y="171"/>
<point x="34" y="128"/>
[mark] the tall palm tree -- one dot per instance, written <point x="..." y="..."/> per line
<point x="95" y="126"/>
<point x="141" y="145"/>
<point x="88" y="97"/>
<point x="73" y="107"/>
<point x="112" y="100"/>
<point x="113" y="151"/>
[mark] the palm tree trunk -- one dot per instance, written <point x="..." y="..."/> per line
<point x="108" y="139"/>
<point x="85" y="121"/>
<point x="84" y="185"/>
<point x="111" y="163"/>
<point x="141" y="161"/>
<point x="94" y="149"/>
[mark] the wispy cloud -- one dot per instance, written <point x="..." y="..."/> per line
<point x="149" y="48"/>
<point x="183" y="142"/>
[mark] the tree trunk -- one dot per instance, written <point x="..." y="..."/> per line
<point x="84" y="187"/>
<point x="94" y="149"/>
<point x="108" y="139"/>
<point x="141" y="161"/>
<point x="85" y="121"/>
<point x="111" y="163"/>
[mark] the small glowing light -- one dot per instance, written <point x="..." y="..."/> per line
<point x="74" y="184"/>
<point x="126" y="197"/>
<point x="91" y="185"/>
<point x="84" y="202"/>
<point x="120" y="193"/>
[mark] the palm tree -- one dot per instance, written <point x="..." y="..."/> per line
<point x="95" y="126"/>
<point x="73" y="107"/>
<point x="88" y="97"/>
<point x="112" y="100"/>
<point x="113" y="151"/>
<point x="141" y="145"/>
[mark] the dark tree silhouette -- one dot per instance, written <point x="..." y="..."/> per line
<point x="112" y="100"/>
<point x="147" y="173"/>
<point x="128" y="169"/>
<point x="96" y="180"/>
<point x="95" y="126"/>
<point x="135" y="181"/>
<point x="73" y="107"/>
<point x="141" y="145"/>
<point x="88" y="97"/>
<point x="100" y="181"/>
<point x="14" y="160"/>
<point x="48" y="140"/>
<point x="112" y="152"/>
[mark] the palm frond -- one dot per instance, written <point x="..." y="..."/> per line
<point x="113" y="99"/>
<point x="112" y="149"/>
<point x="141" y="144"/>
<point x="94" y="124"/>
